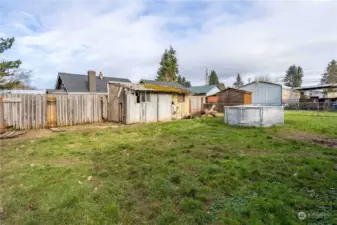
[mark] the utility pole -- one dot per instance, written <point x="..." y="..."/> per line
<point x="206" y="76"/>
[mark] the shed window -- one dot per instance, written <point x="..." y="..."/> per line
<point x="138" y="97"/>
<point x="181" y="98"/>
<point x="143" y="97"/>
<point x="148" y="98"/>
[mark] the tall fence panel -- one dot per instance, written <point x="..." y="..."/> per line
<point x="27" y="111"/>
<point x="23" y="111"/>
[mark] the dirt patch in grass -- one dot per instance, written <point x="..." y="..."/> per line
<point x="43" y="133"/>
<point x="310" y="137"/>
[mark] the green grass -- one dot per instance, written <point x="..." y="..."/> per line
<point x="311" y="121"/>
<point x="183" y="172"/>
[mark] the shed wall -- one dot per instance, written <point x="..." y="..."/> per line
<point x="196" y="103"/>
<point x="183" y="107"/>
<point x="231" y="97"/>
<point x="146" y="112"/>
<point x="265" y="94"/>
<point x="116" y="103"/>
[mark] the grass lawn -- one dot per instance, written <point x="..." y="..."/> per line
<point x="183" y="172"/>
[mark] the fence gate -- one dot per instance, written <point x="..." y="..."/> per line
<point x="51" y="111"/>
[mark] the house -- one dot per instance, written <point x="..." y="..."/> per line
<point x="199" y="96"/>
<point x="264" y="93"/>
<point x="79" y="83"/>
<point x="180" y="95"/>
<point x="142" y="103"/>
<point x="205" y="90"/>
<point x="212" y="98"/>
<point x="233" y="96"/>
<point x="290" y="95"/>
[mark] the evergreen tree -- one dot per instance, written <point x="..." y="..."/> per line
<point x="168" y="68"/>
<point x="179" y="80"/>
<point x="330" y="74"/>
<point x="213" y="78"/>
<point x="238" y="83"/>
<point x="293" y="77"/>
<point x="263" y="78"/>
<point x="183" y="81"/>
<point x="9" y="76"/>
<point x="187" y="84"/>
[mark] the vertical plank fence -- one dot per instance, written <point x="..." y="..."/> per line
<point x="27" y="111"/>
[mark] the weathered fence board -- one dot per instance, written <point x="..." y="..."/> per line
<point x="27" y="111"/>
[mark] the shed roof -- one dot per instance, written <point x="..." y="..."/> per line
<point x="234" y="89"/>
<point x="164" y="86"/>
<point x="149" y="87"/>
<point x="79" y="82"/>
<point x="163" y="83"/>
<point x="202" y="89"/>
<point x="264" y="82"/>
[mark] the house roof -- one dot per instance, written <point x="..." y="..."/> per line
<point x="79" y="82"/>
<point x="265" y="82"/>
<point x="202" y="89"/>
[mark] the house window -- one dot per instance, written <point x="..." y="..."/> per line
<point x="181" y="98"/>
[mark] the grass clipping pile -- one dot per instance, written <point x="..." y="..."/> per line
<point x="206" y="112"/>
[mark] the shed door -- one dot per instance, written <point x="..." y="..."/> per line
<point x="247" y="99"/>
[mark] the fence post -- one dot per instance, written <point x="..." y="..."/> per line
<point x="2" y="120"/>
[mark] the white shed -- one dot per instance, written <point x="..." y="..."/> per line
<point x="264" y="93"/>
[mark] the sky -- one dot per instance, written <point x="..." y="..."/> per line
<point x="126" y="39"/>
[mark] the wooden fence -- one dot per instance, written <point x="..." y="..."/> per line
<point x="23" y="111"/>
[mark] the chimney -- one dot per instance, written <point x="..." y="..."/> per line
<point x="92" y="80"/>
<point x="100" y="75"/>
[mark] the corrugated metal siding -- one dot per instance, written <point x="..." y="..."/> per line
<point x="264" y="93"/>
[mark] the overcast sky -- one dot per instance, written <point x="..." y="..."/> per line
<point x="126" y="38"/>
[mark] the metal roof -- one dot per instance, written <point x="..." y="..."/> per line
<point x="265" y="82"/>
<point x="202" y="89"/>
<point x="79" y="82"/>
<point x="321" y="86"/>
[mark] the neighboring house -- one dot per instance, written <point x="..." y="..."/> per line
<point x="264" y="93"/>
<point x="136" y="103"/>
<point x="206" y="90"/>
<point x="199" y="96"/>
<point x="233" y="96"/>
<point x="180" y="95"/>
<point x="78" y="83"/>
<point x="212" y="98"/>
<point x="290" y="96"/>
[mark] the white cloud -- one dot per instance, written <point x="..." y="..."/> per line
<point x="127" y="39"/>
